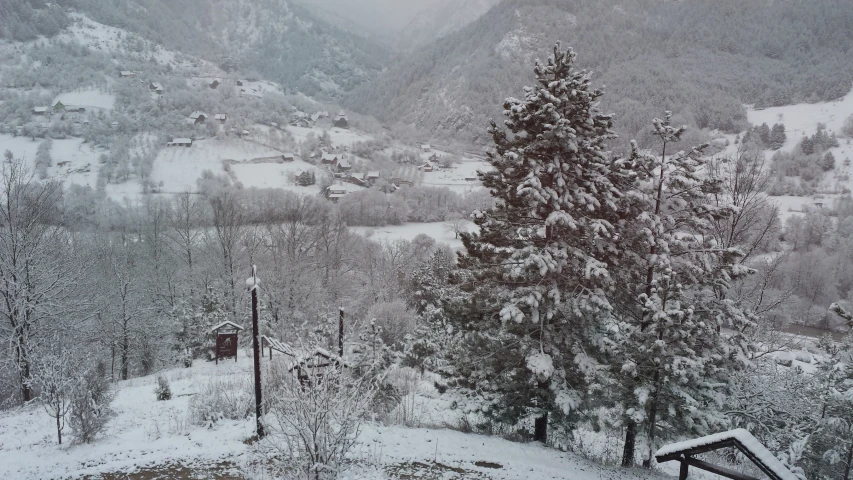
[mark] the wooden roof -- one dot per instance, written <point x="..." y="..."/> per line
<point x="738" y="438"/>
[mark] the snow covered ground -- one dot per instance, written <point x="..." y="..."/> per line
<point x="802" y="119"/>
<point x="87" y="98"/>
<point x="178" y="168"/>
<point x="461" y="178"/>
<point x="275" y="175"/>
<point x="339" y="136"/>
<point x="147" y="435"/>
<point x="442" y="232"/>
<point x="74" y="162"/>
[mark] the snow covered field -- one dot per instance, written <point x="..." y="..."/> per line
<point x="74" y="162"/>
<point x="442" y="232"/>
<point x="87" y="98"/>
<point x="339" y="136"/>
<point x="274" y="175"/>
<point x="802" y="119"/>
<point x="147" y="435"/>
<point x="178" y="168"/>
<point x="461" y="178"/>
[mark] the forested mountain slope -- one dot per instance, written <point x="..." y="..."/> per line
<point x="702" y="60"/>
<point x="440" y="19"/>
<point x="278" y="39"/>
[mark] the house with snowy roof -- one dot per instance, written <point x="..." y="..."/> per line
<point x="126" y="73"/>
<point x="335" y="192"/>
<point x="40" y="110"/>
<point x="341" y="120"/>
<point x="180" y="142"/>
<point x="198" y="117"/>
<point x="329" y="159"/>
<point x="343" y="165"/>
<point x="221" y="117"/>
<point x="426" y="148"/>
<point x="155" y="87"/>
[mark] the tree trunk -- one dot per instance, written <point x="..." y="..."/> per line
<point x="58" y="430"/>
<point x="540" y="429"/>
<point x="630" y="444"/>
<point x="849" y="461"/>
<point x="653" y="413"/>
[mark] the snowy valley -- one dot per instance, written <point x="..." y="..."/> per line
<point x="560" y="294"/>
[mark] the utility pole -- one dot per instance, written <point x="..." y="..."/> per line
<point x="252" y="283"/>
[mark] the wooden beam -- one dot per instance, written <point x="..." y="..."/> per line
<point x="723" y="471"/>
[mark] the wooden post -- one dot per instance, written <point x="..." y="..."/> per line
<point x="256" y="350"/>
<point x="682" y="474"/>
<point x="341" y="333"/>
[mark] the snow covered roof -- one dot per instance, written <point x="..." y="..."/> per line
<point x="226" y="323"/>
<point x="373" y="174"/>
<point x="330" y="156"/>
<point x="40" y="109"/>
<point x="343" y="163"/>
<point x="182" y="140"/>
<point x="197" y="114"/>
<point x="279" y="346"/>
<point x="739" y="438"/>
<point x="126" y="73"/>
<point x="220" y="116"/>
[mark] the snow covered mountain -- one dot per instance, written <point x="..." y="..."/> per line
<point x="280" y="39"/>
<point x="440" y="19"/>
<point x="701" y="60"/>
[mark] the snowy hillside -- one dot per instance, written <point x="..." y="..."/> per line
<point x="151" y="437"/>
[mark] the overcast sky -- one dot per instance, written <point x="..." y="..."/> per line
<point x="378" y="15"/>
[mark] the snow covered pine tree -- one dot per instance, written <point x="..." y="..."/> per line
<point x="538" y="266"/>
<point x="670" y="358"/>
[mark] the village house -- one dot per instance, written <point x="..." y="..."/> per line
<point x="288" y="157"/>
<point x="180" y="142"/>
<point x="221" y="117"/>
<point x="156" y="88"/>
<point x="40" y="110"/>
<point x="126" y="73"/>
<point x="343" y="165"/>
<point x="335" y="192"/>
<point x="427" y="167"/>
<point x="198" y="117"/>
<point x="426" y="148"/>
<point x="329" y="159"/>
<point x="341" y="120"/>
<point x="357" y="179"/>
<point x="58" y="107"/>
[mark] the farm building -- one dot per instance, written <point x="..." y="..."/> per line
<point x="288" y="157"/>
<point x="221" y="117"/>
<point x="341" y="120"/>
<point x="344" y="165"/>
<point x="59" y="107"/>
<point x="126" y="73"/>
<point x="180" y="142"/>
<point x="40" y="110"/>
<point x="198" y="117"/>
<point x="374" y="175"/>
<point x="329" y="159"/>
<point x="156" y="88"/>
<point x="426" y="148"/>
<point x="427" y="167"/>
<point x="335" y="192"/>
